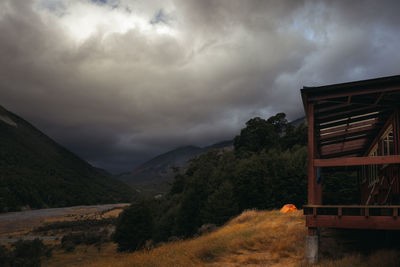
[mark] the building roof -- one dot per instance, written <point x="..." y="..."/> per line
<point x="348" y="116"/>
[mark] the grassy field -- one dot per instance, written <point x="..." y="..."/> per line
<point x="255" y="238"/>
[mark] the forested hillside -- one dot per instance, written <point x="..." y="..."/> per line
<point x="155" y="176"/>
<point x="36" y="172"/>
<point x="266" y="169"/>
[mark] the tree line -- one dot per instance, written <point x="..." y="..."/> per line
<point x="266" y="169"/>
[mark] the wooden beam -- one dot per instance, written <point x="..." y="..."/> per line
<point x="341" y="153"/>
<point x="321" y="111"/>
<point x="352" y="93"/>
<point x="323" y="108"/>
<point x="354" y="222"/>
<point x="357" y="161"/>
<point x="346" y="113"/>
<point x="380" y="133"/>
<point x="347" y="139"/>
<point x="353" y="206"/>
<point x="378" y="99"/>
<point x="348" y="133"/>
<point x="344" y="145"/>
<point x="366" y="103"/>
<point x="339" y="149"/>
<point x="350" y="153"/>
<point x="357" y="119"/>
<point x="353" y="153"/>
<point x="348" y="127"/>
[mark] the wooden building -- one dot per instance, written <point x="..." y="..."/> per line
<point x="354" y="124"/>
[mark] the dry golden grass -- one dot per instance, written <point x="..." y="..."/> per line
<point x="254" y="238"/>
<point x="85" y="214"/>
<point x="112" y="213"/>
<point x="267" y="238"/>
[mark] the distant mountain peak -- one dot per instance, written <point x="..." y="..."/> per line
<point x="155" y="175"/>
<point x="298" y="121"/>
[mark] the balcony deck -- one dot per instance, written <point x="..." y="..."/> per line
<point x="353" y="216"/>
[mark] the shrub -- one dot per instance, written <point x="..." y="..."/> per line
<point x="78" y="225"/>
<point x="29" y="253"/>
<point x="5" y="256"/>
<point x="70" y="241"/>
<point x="134" y="226"/>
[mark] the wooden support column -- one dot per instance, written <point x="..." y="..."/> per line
<point x="311" y="172"/>
<point x="396" y="132"/>
<point x="314" y="189"/>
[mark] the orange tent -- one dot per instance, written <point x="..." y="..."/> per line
<point x="288" y="208"/>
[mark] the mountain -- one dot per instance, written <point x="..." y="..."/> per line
<point x="298" y="121"/>
<point x="36" y="172"/>
<point x="154" y="176"/>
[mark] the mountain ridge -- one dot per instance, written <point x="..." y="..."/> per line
<point x="154" y="176"/>
<point x="37" y="172"/>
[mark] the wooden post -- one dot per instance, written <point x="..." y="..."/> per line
<point x="314" y="189"/>
<point x="357" y="161"/>
<point x="396" y="133"/>
<point x="311" y="150"/>
<point x="396" y="146"/>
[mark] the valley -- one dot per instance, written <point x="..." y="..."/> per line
<point x="19" y="225"/>
<point x="54" y="237"/>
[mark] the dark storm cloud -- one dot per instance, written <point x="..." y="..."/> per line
<point x="119" y="81"/>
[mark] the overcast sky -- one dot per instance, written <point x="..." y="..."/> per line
<point x="120" y="81"/>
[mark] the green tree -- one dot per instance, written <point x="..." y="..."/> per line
<point x="279" y="122"/>
<point x="251" y="183"/>
<point x="220" y="205"/>
<point x="134" y="226"/>
<point x="257" y="135"/>
<point x="266" y="170"/>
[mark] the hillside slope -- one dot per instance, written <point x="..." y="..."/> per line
<point x="154" y="176"/>
<point x="37" y="172"/>
<point x="254" y="238"/>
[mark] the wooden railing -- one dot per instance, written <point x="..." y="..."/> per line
<point x="351" y="210"/>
